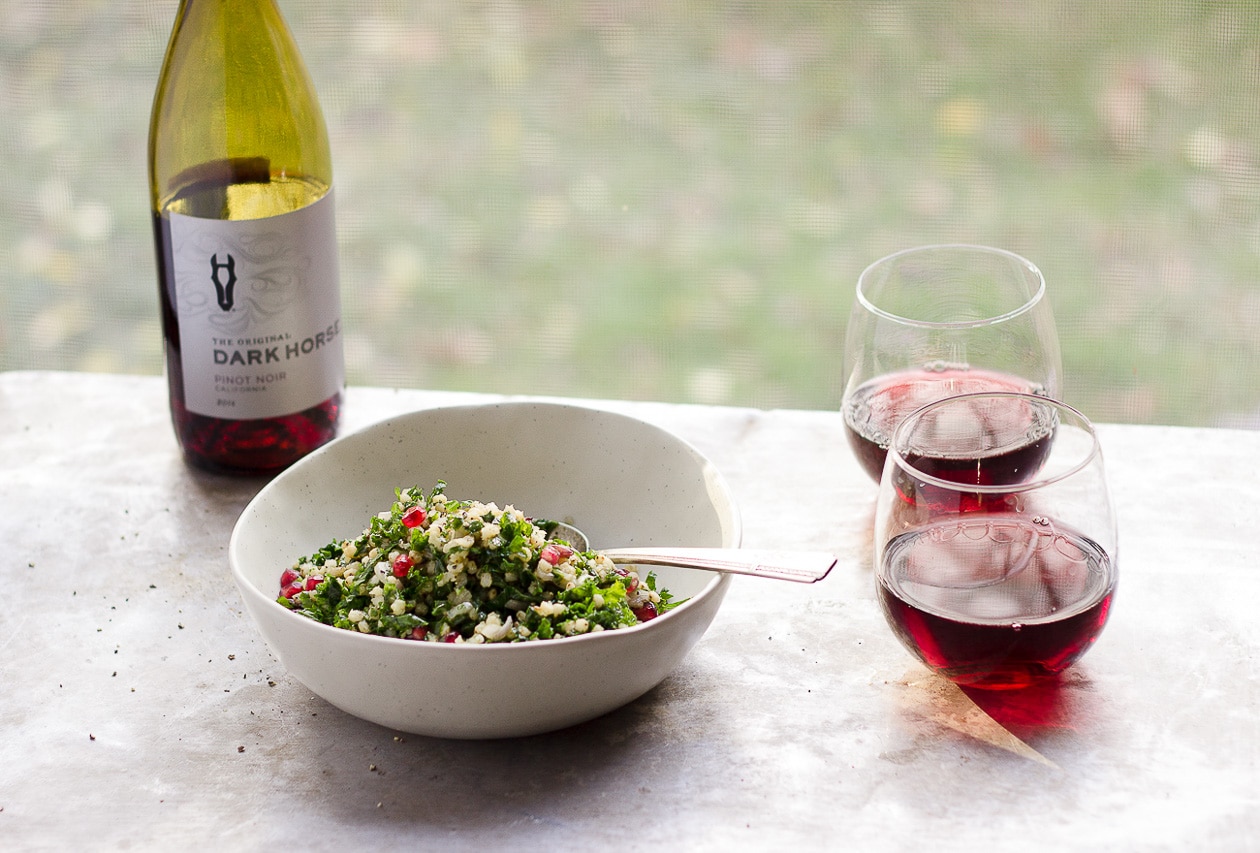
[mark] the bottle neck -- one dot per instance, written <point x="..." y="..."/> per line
<point x="241" y="6"/>
<point x="230" y="14"/>
<point x="235" y="106"/>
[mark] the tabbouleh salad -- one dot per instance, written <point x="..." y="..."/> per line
<point x="441" y="570"/>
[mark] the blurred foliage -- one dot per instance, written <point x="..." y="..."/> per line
<point x="672" y="199"/>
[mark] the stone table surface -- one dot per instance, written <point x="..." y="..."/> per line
<point x="140" y="710"/>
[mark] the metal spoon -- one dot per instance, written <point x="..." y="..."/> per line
<point x="798" y="566"/>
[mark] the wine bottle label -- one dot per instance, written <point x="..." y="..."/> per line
<point x="259" y="311"/>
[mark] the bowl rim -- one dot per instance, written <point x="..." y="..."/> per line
<point x="716" y="584"/>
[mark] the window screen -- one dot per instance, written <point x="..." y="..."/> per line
<point x="672" y="200"/>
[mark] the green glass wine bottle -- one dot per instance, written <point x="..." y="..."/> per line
<point x="240" y="177"/>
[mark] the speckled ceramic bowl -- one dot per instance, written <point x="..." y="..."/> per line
<point x="623" y="481"/>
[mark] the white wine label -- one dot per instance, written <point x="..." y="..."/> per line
<point x="259" y="312"/>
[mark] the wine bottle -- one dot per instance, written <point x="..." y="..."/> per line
<point x="240" y="177"/>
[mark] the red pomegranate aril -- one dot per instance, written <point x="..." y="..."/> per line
<point x="402" y="565"/>
<point x="291" y="590"/>
<point x="288" y="576"/>
<point x="312" y="582"/>
<point x="414" y="517"/>
<point x="555" y="553"/>
<point x="646" y="612"/>
<point x="450" y="638"/>
<point x="419" y="632"/>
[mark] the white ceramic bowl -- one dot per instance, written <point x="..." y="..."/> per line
<point x="623" y="481"/>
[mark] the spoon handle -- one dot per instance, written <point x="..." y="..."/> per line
<point x="799" y="566"/>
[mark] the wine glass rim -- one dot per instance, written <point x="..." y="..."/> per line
<point x="1095" y="448"/>
<point x="1020" y="260"/>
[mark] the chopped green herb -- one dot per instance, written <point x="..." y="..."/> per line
<point x="441" y="570"/>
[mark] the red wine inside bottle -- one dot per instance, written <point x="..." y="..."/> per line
<point x="239" y="428"/>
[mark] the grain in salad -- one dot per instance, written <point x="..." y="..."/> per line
<point x="437" y="569"/>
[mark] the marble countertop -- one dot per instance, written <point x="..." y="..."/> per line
<point x="140" y="710"/>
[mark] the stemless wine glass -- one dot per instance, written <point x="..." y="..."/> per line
<point x="995" y="538"/>
<point x="936" y="321"/>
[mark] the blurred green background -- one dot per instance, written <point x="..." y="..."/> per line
<point x="672" y="200"/>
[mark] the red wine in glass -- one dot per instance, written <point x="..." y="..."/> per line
<point x="986" y="441"/>
<point x="873" y="411"/>
<point x="996" y="601"/>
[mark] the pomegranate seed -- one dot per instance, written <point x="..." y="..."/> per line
<point x="646" y="612"/>
<point x="288" y="576"/>
<point x="402" y="565"/>
<point x="419" y="632"/>
<point x="450" y="638"/>
<point x="291" y="590"/>
<point x="555" y="553"/>
<point x="414" y="517"/>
